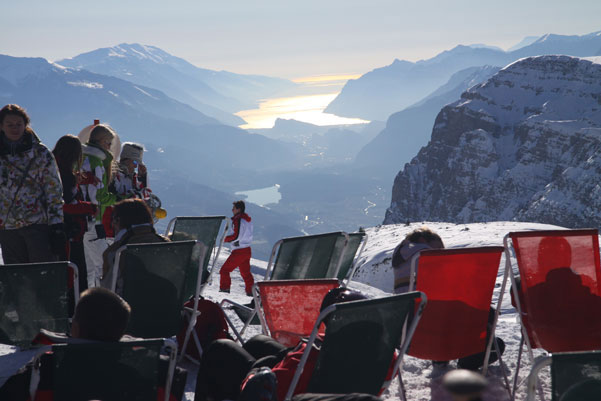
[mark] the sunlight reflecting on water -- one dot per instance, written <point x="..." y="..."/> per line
<point x="308" y="109"/>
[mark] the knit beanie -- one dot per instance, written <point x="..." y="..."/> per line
<point x="133" y="151"/>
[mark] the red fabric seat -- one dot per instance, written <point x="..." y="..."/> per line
<point x="560" y="288"/>
<point x="459" y="285"/>
<point x="290" y="308"/>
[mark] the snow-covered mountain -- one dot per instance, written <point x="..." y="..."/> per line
<point x="209" y="91"/>
<point x="408" y="130"/>
<point x="383" y="91"/>
<point x="523" y="145"/>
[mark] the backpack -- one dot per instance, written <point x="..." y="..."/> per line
<point x="210" y="325"/>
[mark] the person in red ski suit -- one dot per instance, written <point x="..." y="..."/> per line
<point x="240" y="237"/>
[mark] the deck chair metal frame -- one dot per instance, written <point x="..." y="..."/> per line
<point x="171" y="226"/>
<point x="298" y="285"/>
<point x="69" y="265"/>
<point x="455" y="251"/>
<point x="509" y="274"/>
<point x="549" y="360"/>
<point x="269" y="274"/>
<point x="168" y="345"/>
<point x="193" y="313"/>
<point x="407" y="334"/>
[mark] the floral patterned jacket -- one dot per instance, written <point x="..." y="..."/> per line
<point x="30" y="187"/>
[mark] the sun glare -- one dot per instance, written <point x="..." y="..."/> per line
<point x="307" y="109"/>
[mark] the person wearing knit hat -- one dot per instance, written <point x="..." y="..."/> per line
<point x="127" y="182"/>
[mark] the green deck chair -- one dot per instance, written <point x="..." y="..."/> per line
<point x="359" y="344"/>
<point x="35" y="296"/>
<point x="297" y="258"/>
<point x="309" y="256"/>
<point x="348" y="265"/>
<point x="119" y="371"/>
<point x="154" y="280"/>
<point x="203" y="229"/>
<point x="575" y="376"/>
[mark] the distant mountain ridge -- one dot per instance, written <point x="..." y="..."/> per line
<point x="383" y="91"/>
<point x="215" y="93"/>
<point x="524" y="145"/>
<point x="408" y="130"/>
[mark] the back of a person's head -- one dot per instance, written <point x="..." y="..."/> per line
<point x="101" y="315"/>
<point x="240" y="205"/>
<point x="131" y="212"/>
<point x="68" y="153"/>
<point x="339" y="295"/>
<point x="425" y="235"/>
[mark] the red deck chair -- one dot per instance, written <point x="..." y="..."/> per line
<point x="559" y="295"/>
<point x="289" y="308"/>
<point x="459" y="284"/>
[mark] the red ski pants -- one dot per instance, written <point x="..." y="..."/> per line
<point x="238" y="258"/>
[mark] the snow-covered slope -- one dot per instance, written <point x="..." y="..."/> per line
<point x="374" y="274"/>
<point x="523" y="145"/>
<point x="374" y="278"/>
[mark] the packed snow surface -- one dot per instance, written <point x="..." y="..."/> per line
<point x="374" y="278"/>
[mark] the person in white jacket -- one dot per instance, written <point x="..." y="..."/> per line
<point x="240" y="237"/>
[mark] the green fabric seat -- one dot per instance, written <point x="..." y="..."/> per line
<point x="347" y="267"/>
<point x="310" y="256"/>
<point x="154" y="280"/>
<point x="34" y="296"/>
<point x="359" y="344"/>
<point x="575" y="376"/>
<point x="203" y="229"/>
<point x="119" y="371"/>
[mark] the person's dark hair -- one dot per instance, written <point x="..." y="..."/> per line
<point x="423" y="234"/>
<point x="240" y="205"/>
<point x="101" y="315"/>
<point x="15" y="110"/>
<point x="131" y="212"/>
<point x="68" y="154"/>
<point x="339" y="295"/>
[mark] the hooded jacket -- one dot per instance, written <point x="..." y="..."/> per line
<point x="30" y="186"/>
<point x="240" y="234"/>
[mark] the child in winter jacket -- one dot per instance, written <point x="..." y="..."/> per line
<point x="96" y="168"/>
<point x="69" y="157"/>
<point x="240" y="238"/>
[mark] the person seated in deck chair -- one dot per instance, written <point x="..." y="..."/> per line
<point x="100" y="315"/>
<point x="132" y="223"/>
<point x="414" y="242"/>
<point x="422" y="239"/>
<point x="228" y="369"/>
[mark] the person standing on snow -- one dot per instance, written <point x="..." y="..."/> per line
<point x="240" y="237"/>
<point x="31" y="193"/>
<point x="96" y="168"/>
<point x="127" y="182"/>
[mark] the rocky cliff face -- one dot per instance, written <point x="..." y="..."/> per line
<point x="524" y="145"/>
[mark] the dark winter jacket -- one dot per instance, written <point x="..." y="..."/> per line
<point x="141" y="234"/>
<point x="75" y="208"/>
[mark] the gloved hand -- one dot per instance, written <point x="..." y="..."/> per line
<point x="58" y="240"/>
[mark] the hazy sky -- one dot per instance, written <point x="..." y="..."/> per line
<point x="286" y="38"/>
